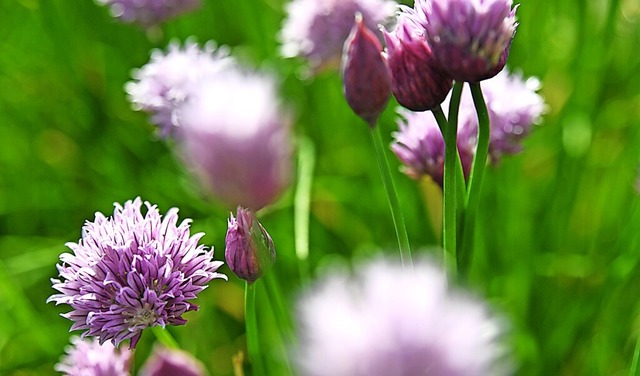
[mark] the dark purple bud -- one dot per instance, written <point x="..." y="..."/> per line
<point x="249" y="249"/>
<point x="364" y="73"/>
<point x="417" y="82"/>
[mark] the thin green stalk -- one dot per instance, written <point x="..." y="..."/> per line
<point x="283" y="336"/>
<point x="253" y="344"/>
<point x="392" y="196"/>
<point x="285" y="326"/>
<point x="450" y="187"/>
<point x="302" y="204"/>
<point x="633" y="371"/>
<point x="460" y="183"/>
<point x="475" y="180"/>
<point x="164" y="337"/>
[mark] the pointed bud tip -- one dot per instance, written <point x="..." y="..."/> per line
<point x="365" y="77"/>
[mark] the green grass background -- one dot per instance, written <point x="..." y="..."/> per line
<point x="559" y="227"/>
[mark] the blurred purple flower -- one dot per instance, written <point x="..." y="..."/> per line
<point x="420" y="146"/>
<point x="162" y="85"/>
<point x="365" y="76"/>
<point x="514" y="107"/>
<point x="249" y="249"/>
<point x="168" y="362"/>
<point x="236" y="138"/>
<point x="417" y="81"/>
<point x="132" y="271"/>
<point x="149" y="12"/>
<point x="88" y="357"/>
<point x="470" y="38"/>
<point x="317" y="29"/>
<point x="393" y="321"/>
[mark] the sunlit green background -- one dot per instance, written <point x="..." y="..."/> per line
<point x="559" y="230"/>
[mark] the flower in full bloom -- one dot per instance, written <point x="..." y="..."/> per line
<point x="317" y="29"/>
<point x="420" y="146"/>
<point x="249" y="249"/>
<point x="393" y="321"/>
<point x="149" y="12"/>
<point x="169" y="362"/>
<point x="167" y="80"/>
<point x="236" y="138"/>
<point x="131" y="271"/>
<point x="417" y="81"/>
<point x="88" y="357"/>
<point x="514" y="107"/>
<point x="364" y="73"/>
<point x="470" y="38"/>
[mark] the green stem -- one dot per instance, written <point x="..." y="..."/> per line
<point x="283" y="330"/>
<point x="302" y="203"/>
<point x="450" y="187"/>
<point x="634" y="364"/>
<point x="392" y="196"/>
<point x="460" y="183"/>
<point x="475" y="179"/>
<point x="164" y="337"/>
<point x="282" y="315"/>
<point x="461" y="188"/>
<point x="253" y="344"/>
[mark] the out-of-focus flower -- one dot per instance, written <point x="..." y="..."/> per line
<point x="167" y="362"/>
<point x="131" y="271"/>
<point x="149" y="12"/>
<point x="514" y="107"/>
<point x="364" y="73"/>
<point x="470" y="38"/>
<point x="393" y="321"/>
<point x="167" y="81"/>
<point x="249" y="249"/>
<point x="317" y="29"/>
<point x="417" y="81"/>
<point x="420" y="146"/>
<point x="88" y="357"/>
<point x="236" y="137"/>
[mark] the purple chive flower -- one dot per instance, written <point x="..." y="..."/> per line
<point x="236" y="138"/>
<point x="167" y="362"/>
<point x="164" y="84"/>
<point x="131" y="271"/>
<point x="364" y="73"/>
<point x="417" y="82"/>
<point x="420" y="146"/>
<point x="148" y="12"/>
<point x="393" y="321"/>
<point x="317" y="29"/>
<point x="470" y="38"/>
<point x="514" y="107"/>
<point x="88" y="357"/>
<point x="249" y="249"/>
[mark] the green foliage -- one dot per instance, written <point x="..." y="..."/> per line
<point x="558" y="246"/>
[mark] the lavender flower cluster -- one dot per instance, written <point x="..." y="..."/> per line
<point x="149" y="12"/>
<point x="514" y="107"/>
<point x="388" y="320"/>
<point x="230" y="128"/>
<point x="132" y="271"/>
<point x="138" y="269"/>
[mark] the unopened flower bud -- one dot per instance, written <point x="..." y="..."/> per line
<point x="470" y="39"/>
<point x="417" y="82"/>
<point x="249" y="249"/>
<point x="365" y="77"/>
